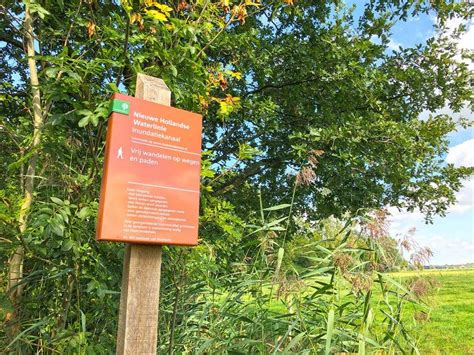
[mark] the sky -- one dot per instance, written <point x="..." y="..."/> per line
<point x="450" y="238"/>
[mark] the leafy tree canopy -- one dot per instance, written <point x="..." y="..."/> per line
<point x="302" y="102"/>
<point x="286" y="88"/>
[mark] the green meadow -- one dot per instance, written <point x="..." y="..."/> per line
<point x="449" y="328"/>
<point x="448" y="308"/>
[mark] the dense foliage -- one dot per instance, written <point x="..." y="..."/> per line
<point x="306" y="110"/>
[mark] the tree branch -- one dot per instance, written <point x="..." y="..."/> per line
<point x="15" y="272"/>
<point x="125" y="50"/>
<point x="250" y="171"/>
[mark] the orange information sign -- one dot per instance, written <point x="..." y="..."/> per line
<point x="150" y="186"/>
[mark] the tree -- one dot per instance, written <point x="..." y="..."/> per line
<point x="300" y="105"/>
<point x="325" y="89"/>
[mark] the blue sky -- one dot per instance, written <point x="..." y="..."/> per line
<point x="450" y="238"/>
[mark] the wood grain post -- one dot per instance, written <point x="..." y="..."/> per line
<point x="140" y="294"/>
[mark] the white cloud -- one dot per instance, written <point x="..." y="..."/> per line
<point x="466" y="40"/>
<point x="457" y="247"/>
<point x="453" y="248"/>
<point x="464" y="198"/>
<point x="459" y="155"/>
<point x="393" y="45"/>
<point x="462" y="154"/>
<point x="401" y="221"/>
<point x="448" y="249"/>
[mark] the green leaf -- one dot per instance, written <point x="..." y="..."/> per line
<point x="67" y="245"/>
<point x="174" y="71"/>
<point x="51" y="72"/>
<point x="294" y="341"/>
<point x="57" y="201"/>
<point x="157" y="15"/>
<point x="277" y="207"/>
<point x="281" y="252"/>
<point x="37" y="8"/>
<point x="113" y="87"/>
<point x="319" y="271"/>
<point x="393" y="282"/>
<point x="84" y="121"/>
<point x="277" y="228"/>
<point x="83" y="322"/>
<point x="84" y="213"/>
<point x="329" y="331"/>
<point x="268" y="225"/>
<point x="57" y="229"/>
<point x="94" y="120"/>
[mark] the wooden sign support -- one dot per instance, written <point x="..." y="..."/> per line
<point x="138" y="318"/>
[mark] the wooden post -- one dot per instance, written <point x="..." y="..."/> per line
<point x="140" y="294"/>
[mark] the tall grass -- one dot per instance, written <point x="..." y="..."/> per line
<point x="311" y="293"/>
<point x="292" y="286"/>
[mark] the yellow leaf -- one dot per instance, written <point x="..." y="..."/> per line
<point x="8" y="316"/>
<point x="134" y="17"/>
<point x="228" y="105"/>
<point x="252" y="3"/>
<point x="163" y="8"/>
<point x="220" y="23"/>
<point x="126" y="5"/>
<point x="234" y="100"/>
<point x="240" y="12"/>
<point x="225" y="108"/>
<point x="234" y="74"/>
<point x="225" y="3"/>
<point x="90" y="29"/>
<point x="159" y="16"/>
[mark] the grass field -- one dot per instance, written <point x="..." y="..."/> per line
<point x="450" y="327"/>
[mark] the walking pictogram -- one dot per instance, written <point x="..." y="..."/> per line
<point x="120" y="153"/>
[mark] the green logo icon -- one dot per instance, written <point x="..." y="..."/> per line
<point x="119" y="106"/>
